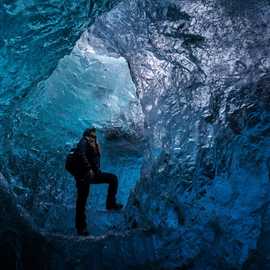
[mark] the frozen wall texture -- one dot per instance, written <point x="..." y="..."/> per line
<point x="192" y="97"/>
<point x="202" y="74"/>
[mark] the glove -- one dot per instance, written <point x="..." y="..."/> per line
<point x="91" y="173"/>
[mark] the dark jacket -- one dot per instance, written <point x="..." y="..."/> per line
<point x="88" y="158"/>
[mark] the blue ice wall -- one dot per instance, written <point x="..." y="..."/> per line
<point x="202" y="71"/>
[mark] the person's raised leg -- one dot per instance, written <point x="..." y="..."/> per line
<point x="82" y="194"/>
<point x="112" y="180"/>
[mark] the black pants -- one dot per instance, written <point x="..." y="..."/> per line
<point x="83" y="186"/>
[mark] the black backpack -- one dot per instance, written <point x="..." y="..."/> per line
<point x="72" y="162"/>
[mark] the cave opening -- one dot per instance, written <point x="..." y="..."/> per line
<point x="89" y="87"/>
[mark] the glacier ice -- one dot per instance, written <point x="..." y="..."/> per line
<point x="191" y="107"/>
<point x="202" y="74"/>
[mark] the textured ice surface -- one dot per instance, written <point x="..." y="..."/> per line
<point x="201" y="71"/>
<point x="35" y="35"/>
<point x="202" y="75"/>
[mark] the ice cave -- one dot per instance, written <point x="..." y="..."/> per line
<point x="179" y="93"/>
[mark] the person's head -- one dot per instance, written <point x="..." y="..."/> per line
<point x="90" y="133"/>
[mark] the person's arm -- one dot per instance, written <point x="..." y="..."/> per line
<point x="99" y="153"/>
<point x="98" y="147"/>
<point x="81" y="151"/>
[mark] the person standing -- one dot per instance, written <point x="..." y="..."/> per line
<point x="88" y="158"/>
